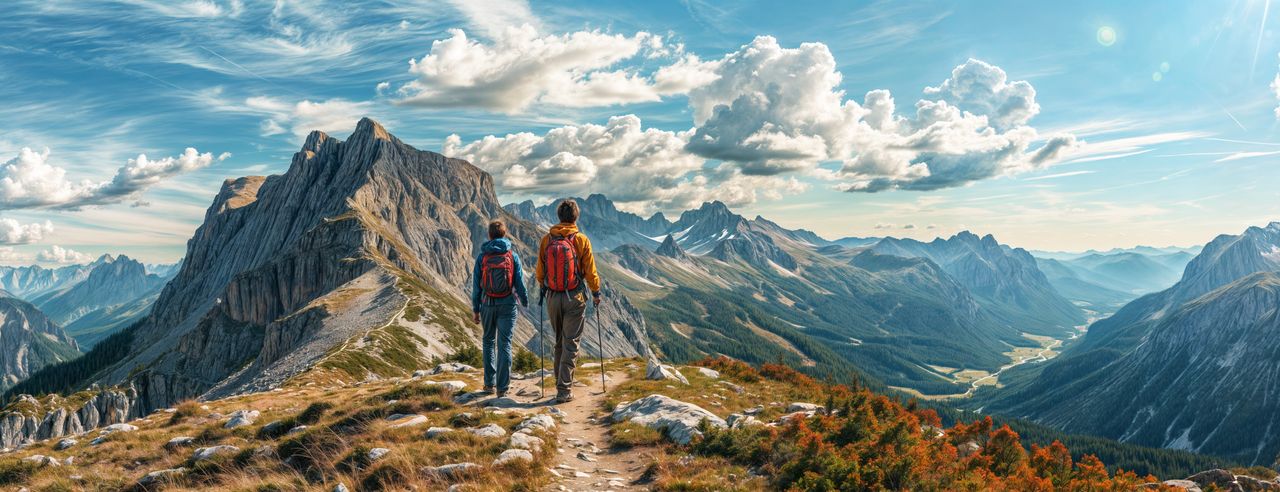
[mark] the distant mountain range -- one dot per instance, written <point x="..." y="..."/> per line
<point x="47" y="315"/>
<point x="92" y="300"/>
<point x="1105" y="281"/>
<point x="1014" y="288"/>
<point x="1190" y="367"/>
<point x="902" y="312"/>
<point x="1142" y="250"/>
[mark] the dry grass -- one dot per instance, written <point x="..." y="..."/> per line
<point x="344" y="422"/>
<point x="699" y="474"/>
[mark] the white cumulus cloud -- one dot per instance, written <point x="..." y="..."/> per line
<point x="62" y="256"/>
<point x="521" y="67"/>
<point x="29" y="180"/>
<point x="773" y="110"/>
<point x="14" y="232"/>
<point x="644" y="168"/>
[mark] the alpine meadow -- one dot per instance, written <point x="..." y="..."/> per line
<point x="680" y="245"/>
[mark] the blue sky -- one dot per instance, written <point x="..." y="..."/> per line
<point x="1076" y="125"/>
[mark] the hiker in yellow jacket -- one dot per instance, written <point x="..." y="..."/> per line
<point x="566" y="269"/>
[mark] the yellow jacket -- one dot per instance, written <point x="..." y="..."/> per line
<point x="582" y="252"/>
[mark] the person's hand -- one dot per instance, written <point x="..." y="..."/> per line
<point x="595" y="298"/>
<point x="475" y="317"/>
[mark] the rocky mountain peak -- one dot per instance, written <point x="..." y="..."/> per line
<point x="286" y="267"/>
<point x="670" y="248"/>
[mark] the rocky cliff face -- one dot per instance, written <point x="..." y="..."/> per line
<point x="29" y="341"/>
<point x="362" y="246"/>
<point x="28" y="419"/>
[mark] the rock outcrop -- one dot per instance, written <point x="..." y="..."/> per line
<point x="677" y="419"/>
<point x="28" y="419"/>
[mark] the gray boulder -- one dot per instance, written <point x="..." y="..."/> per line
<point x="400" y="421"/>
<point x="521" y="440"/>
<point x="435" y="432"/>
<point x="660" y="372"/>
<point x="491" y="430"/>
<point x="202" y="454"/>
<point x="513" y="456"/>
<point x="452" y="367"/>
<point x="536" y="422"/>
<point x="241" y="418"/>
<point x="679" y="420"/>
<point x="161" y="476"/>
<point x="376" y="454"/>
<point x="64" y="444"/>
<point x="453" y="471"/>
<point x="180" y="441"/>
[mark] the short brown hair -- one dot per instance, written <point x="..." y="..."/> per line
<point x="497" y="229"/>
<point x="567" y="211"/>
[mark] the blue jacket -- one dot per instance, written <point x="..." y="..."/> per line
<point x="500" y="245"/>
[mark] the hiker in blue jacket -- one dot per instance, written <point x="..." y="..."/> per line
<point x="497" y="283"/>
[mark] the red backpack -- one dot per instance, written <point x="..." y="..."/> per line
<point x="562" y="265"/>
<point x="496" y="272"/>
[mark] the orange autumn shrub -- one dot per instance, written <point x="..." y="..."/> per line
<point x="871" y="442"/>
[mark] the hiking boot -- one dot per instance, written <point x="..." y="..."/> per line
<point x="502" y="393"/>
<point x="564" y="397"/>
<point x="488" y="390"/>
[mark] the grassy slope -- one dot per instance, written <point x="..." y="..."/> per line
<point x="344" y="423"/>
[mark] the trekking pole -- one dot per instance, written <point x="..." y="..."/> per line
<point x="542" y="364"/>
<point x="600" y="332"/>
